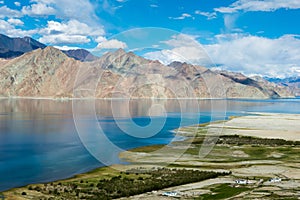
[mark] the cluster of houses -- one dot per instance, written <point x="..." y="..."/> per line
<point x="246" y="181"/>
<point x="170" y="194"/>
<point x="238" y="181"/>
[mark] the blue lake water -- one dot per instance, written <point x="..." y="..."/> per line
<point x="45" y="140"/>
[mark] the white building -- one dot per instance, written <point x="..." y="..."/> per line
<point x="275" y="180"/>
<point x="241" y="181"/>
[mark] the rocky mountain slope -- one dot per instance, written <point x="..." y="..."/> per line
<point x="270" y="89"/>
<point x="80" y="54"/>
<point x="50" y="73"/>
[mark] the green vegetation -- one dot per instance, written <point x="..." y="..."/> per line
<point x="132" y="182"/>
<point x="223" y="191"/>
<point x="147" y="149"/>
<point x="247" y="140"/>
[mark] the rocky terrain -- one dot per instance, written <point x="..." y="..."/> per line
<point x="80" y="54"/>
<point x="51" y="73"/>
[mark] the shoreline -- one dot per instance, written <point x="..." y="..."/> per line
<point x="138" y="98"/>
<point x="232" y="126"/>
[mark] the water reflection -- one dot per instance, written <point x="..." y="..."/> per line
<point x="39" y="141"/>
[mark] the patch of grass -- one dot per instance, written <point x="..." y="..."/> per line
<point x="223" y="191"/>
<point x="257" y="152"/>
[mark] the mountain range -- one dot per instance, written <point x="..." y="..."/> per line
<point x="48" y="72"/>
<point x="14" y="47"/>
<point x="293" y="83"/>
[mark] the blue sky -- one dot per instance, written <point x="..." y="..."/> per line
<point x="253" y="37"/>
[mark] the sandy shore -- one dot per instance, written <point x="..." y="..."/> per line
<point x="262" y="125"/>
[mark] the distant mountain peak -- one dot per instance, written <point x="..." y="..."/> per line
<point x="14" y="47"/>
<point x="80" y="54"/>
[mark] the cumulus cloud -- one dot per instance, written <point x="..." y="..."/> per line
<point x="259" y="5"/>
<point x="7" y="12"/>
<point x="16" y="22"/>
<point x="209" y="15"/>
<point x="183" y="48"/>
<point x="9" y="29"/>
<point x="64" y="39"/>
<point x="183" y="16"/>
<point x="39" y="9"/>
<point x="69" y="32"/>
<point x="110" y="44"/>
<point x="81" y="10"/>
<point x="4" y="25"/>
<point x="72" y="27"/>
<point x="257" y="55"/>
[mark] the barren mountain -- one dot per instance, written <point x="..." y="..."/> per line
<point x="14" y="47"/>
<point x="50" y="73"/>
<point x="40" y="73"/>
<point x="293" y="83"/>
<point x="267" y="88"/>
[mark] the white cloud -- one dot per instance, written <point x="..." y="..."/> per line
<point x="10" y="30"/>
<point x="17" y="3"/>
<point x="110" y="44"/>
<point x="7" y="12"/>
<point x="72" y="27"/>
<point x="64" y="39"/>
<point x="259" y="5"/>
<point x="66" y="48"/>
<point x="257" y="55"/>
<point x="183" y="48"/>
<point x="16" y="22"/>
<point x="81" y="10"/>
<point x="1" y="2"/>
<point x="69" y="32"/>
<point x="100" y="39"/>
<point x="39" y="9"/>
<point x="183" y="16"/>
<point x="209" y="15"/>
<point x="4" y="25"/>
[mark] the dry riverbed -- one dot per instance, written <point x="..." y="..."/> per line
<point x="255" y="148"/>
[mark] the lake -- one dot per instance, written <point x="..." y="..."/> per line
<point x="46" y="140"/>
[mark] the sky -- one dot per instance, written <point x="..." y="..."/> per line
<point x="257" y="37"/>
